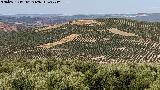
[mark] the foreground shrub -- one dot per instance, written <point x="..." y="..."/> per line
<point x="59" y="74"/>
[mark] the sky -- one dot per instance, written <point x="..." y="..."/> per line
<point x="72" y="7"/>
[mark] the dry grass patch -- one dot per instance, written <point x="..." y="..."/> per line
<point x="62" y="41"/>
<point x="116" y="31"/>
<point x="85" y="22"/>
<point x="49" y="28"/>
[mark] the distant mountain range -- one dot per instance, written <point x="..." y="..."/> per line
<point x="40" y="20"/>
<point x="139" y="16"/>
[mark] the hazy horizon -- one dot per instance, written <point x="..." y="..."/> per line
<point x="75" y="7"/>
<point x="76" y="14"/>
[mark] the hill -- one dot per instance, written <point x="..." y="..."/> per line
<point x="111" y="40"/>
<point x="7" y="27"/>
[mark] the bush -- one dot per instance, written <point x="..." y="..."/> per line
<point x="59" y="74"/>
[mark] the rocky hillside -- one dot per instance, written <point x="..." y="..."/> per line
<point x="7" y="27"/>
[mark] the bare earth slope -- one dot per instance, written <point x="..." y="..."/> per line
<point x="116" y="31"/>
<point x="62" y="41"/>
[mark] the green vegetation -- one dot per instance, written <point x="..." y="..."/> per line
<point x="97" y="59"/>
<point x="94" y="40"/>
<point x="59" y="74"/>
